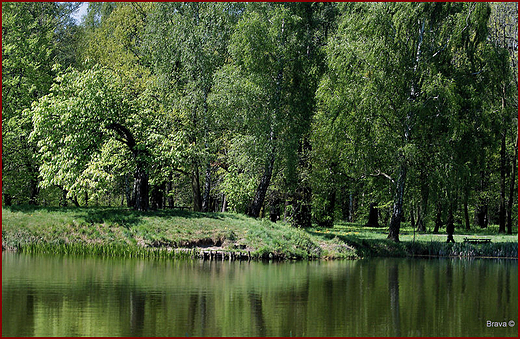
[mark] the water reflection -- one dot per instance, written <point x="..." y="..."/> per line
<point x="48" y="296"/>
<point x="393" y="286"/>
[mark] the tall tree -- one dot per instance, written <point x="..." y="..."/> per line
<point x="188" y="43"/>
<point x="36" y="38"/>
<point x="391" y="77"/>
<point x="503" y="27"/>
<point x="273" y="57"/>
<point x="78" y="123"/>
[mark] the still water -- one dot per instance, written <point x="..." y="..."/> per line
<point x="86" y="296"/>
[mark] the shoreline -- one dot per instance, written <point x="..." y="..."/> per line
<point x="436" y="250"/>
<point x="122" y="232"/>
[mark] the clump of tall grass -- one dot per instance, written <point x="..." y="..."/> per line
<point x="461" y="249"/>
<point x="107" y="250"/>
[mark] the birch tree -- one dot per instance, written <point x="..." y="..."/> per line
<point x="391" y="78"/>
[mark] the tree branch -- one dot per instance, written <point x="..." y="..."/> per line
<point x="381" y="174"/>
<point x="125" y="135"/>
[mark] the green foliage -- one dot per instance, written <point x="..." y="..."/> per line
<point x="35" y="38"/>
<point x="315" y="109"/>
<point x="77" y="128"/>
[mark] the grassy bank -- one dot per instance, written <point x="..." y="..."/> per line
<point x="174" y="234"/>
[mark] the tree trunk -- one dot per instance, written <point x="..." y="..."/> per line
<point x="274" y="205"/>
<point x="351" y="206"/>
<point x="169" y="188"/>
<point x="344" y="203"/>
<point x="224" y="203"/>
<point x="207" y="188"/>
<point x="258" y="200"/>
<point x="502" y="209"/>
<point x="63" y="201"/>
<point x="373" y="220"/>
<point x="75" y="201"/>
<point x="325" y="216"/>
<point x="141" y="189"/>
<point x="450" y="227"/>
<point x="329" y="209"/>
<point x="195" y="187"/>
<point x="397" y="212"/>
<point x="422" y="211"/>
<point x="301" y="215"/>
<point x="33" y="184"/>
<point x="421" y="227"/>
<point x="421" y="216"/>
<point x="482" y="210"/>
<point x="128" y="192"/>
<point x="512" y="189"/>
<point x="438" y="219"/>
<point x="466" y="213"/>
<point x="8" y="199"/>
<point x="156" y="196"/>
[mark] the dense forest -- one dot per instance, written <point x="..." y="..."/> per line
<point x="308" y="113"/>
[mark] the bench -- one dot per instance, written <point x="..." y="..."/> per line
<point x="477" y="240"/>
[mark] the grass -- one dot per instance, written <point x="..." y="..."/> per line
<point x="174" y="234"/>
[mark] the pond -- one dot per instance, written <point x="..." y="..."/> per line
<point x="89" y="296"/>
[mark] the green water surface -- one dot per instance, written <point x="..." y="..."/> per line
<point x="87" y="296"/>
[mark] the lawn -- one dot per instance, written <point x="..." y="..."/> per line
<point x="169" y="232"/>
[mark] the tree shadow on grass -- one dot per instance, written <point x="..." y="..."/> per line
<point x="123" y="216"/>
<point x="34" y="208"/>
<point x="129" y="217"/>
<point x="367" y="247"/>
<point x="98" y="215"/>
